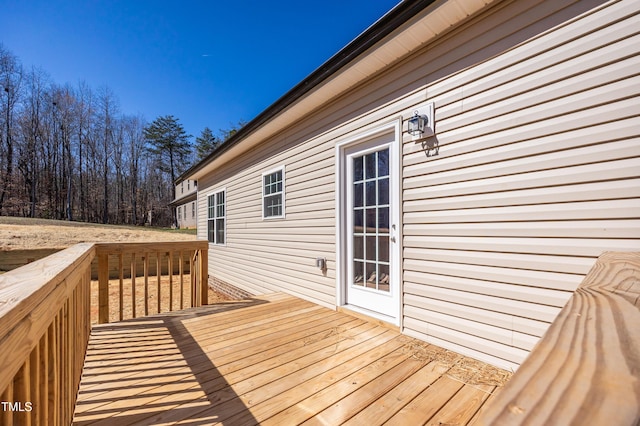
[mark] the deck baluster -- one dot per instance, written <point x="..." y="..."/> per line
<point x="45" y="320"/>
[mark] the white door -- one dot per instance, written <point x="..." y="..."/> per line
<point x="370" y="212"/>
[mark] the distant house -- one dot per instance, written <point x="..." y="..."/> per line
<point x="472" y="234"/>
<point x="186" y="203"/>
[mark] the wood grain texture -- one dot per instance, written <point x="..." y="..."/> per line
<point x="272" y="359"/>
<point x="45" y="323"/>
<point x="586" y="368"/>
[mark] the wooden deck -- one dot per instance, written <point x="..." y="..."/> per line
<point x="274" y="360"/>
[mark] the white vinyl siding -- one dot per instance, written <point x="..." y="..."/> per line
<point x="275" y="255"/>
<point x="537" y="173"/>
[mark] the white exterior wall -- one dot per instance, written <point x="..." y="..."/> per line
<point x="537" y="173"/>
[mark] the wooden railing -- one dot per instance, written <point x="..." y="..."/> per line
<point x="184" y="262"/>
<point x="586" y="368"/>
<point x="45" y="322"/>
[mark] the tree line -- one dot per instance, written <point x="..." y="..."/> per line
<point x="68" y="152"/>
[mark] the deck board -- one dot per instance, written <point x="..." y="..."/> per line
<point x="274" y="359"/>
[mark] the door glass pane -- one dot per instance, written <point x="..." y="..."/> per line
<point x="358" y="272"/>
<point x="383" y="280"/>
<point x="370" y="274"/>
<point x="371" y="221"/>
<point x="358" y="247"/>
<point x="370" y="165"/>
<point x="383" y="248"/>
<point x="383" y="162"/>
<point x="371" y="248"/>
<point x="370" y="193"/>
<point x="358" y="194"/>
<point x="357" y="168"/>
<point x="358" y="221"/>
<point x="383" y="191"/>
<point x="383" y="220"/>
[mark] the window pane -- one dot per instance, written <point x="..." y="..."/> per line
<point x="219" y="231"/>
<point x="210" y="231"/>
<point x="265" y="183"/>
<point x="357" y="169"/>
<point x="211" y="206"/>
<point x="383" y="162"/>
<point x="370" y="165"/>
<point x="273" y="205"/>
<point x="220" y="204"/>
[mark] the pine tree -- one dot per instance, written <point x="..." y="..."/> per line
<point x="206" y="143"/>
<point x="169" y="143"/>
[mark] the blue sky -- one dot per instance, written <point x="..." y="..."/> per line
<point x="208" y="63"/>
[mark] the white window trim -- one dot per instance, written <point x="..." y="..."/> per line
<point x="214" y="192"/>
<point x="268" y="172"/>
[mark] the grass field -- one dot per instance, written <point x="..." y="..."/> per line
<point x="17" y="233"/>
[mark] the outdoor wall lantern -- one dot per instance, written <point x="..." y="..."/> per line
<point x="417" y="124"/>
<point x="421" y="125"/>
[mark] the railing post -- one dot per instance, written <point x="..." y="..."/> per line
<point x="103" y="288"/>
<point x="204" y="276"/>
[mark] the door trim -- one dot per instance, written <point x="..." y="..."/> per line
<point x="395" y="127"/>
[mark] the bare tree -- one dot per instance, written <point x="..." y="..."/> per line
<point x="67" y="152"/>
<point x="84" y="117"/>
<point x="106" y="123"/>
<point x="32" y="132"/>
<point x="11" y="81"/>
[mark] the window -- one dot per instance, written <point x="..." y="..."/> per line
<point x="179" y="213"/>
<point x="193" y="209"/>
<point x="216" y="214"/>
<point x="188" y="184"/>
<point x="273" y="194"/>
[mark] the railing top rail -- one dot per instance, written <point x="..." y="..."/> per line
<point x="30" y="296"/>
<point x="586" y="368"/>
<point x="150" y="247"/>
<point x="27" y="286"/>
